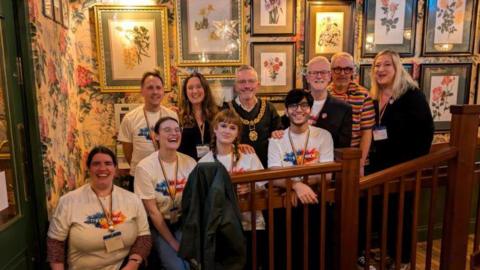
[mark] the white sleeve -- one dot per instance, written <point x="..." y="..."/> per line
<point x="326" y="147"/>
<point x="256" y="164"/>
<point x="274" y="154"/>
<point x="143" y="184"/>
<point x="125" y="131"/>
<point x="142" y="221"/>
<point x="61" y="221"/>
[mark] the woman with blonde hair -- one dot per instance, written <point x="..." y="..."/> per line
<point x="403" y="131"/>
<point x="403" y="121"/>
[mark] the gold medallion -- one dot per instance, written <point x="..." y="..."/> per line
<point x="253" y="135"/>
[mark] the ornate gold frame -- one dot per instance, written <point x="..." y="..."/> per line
<point x="162" y="47"/>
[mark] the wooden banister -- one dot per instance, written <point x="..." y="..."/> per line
<point x="463" y="136"/>
<point x="346" y="208"/>
<point x="442" y="154"/>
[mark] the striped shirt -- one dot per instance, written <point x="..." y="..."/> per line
<point x="363" y="113"/>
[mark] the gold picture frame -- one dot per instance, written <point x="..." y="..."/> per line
<point x="210" y="32"/>
<point x="130" y="41"/>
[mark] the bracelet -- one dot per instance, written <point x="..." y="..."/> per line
<point x="138" y="261"/>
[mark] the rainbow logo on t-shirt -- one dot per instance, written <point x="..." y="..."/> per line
<point x="100" y="221"/>
<point x="311" y="156"/>
<point x="162" y="186"/>
<point x="144" y="132"/>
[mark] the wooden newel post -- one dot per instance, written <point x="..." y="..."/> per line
<point x="346" y="208"/>
<point x="463" y="135"/>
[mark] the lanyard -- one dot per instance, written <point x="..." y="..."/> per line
<point x="151" y="133"/>
<point x="201" y="127"/>
<point x="382" y="111"/>
<point x="302" y="161"/>
<point x="171" y="193"/>
<point x="107" y="214"/>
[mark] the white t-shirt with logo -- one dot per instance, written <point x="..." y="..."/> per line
<point x="80" y="218"/>
<point x="247" y="162"/>
<point x="319" y="148"/>
<point x="150" y="182"/>
<point x="133" y="129"/>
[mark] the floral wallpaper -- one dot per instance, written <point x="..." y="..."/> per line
<point x="74" y="115"/>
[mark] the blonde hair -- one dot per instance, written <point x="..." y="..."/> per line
<point x="402" y="80"/>
<point x="244" y="68"/>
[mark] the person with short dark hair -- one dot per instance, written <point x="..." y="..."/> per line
<point x="301" y="143"/>
<point x="159" y="181"/>
<point x="104" y="223"/>
<point x="136" y="130"/>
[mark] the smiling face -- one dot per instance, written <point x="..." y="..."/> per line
<point x="169" y="135"/>
<point x="195" y="91"/>
<point x="102" y="171"/>
<point x="152" y="91"/>
<point x="384" y="71"/>
<point x="318" y="76"/>
<point x="246" y="84"/>
<point x="226" y="133"/>
<point x="299" y="113"/>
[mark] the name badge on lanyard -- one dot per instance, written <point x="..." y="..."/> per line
<point x="113" y="241"/>
<point x="380" y="133"/>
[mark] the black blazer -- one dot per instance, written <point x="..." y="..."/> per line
<point x="336" y="118"/>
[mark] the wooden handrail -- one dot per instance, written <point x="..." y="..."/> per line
<point x="441" y="155"/>
<point x="288" y="172"/>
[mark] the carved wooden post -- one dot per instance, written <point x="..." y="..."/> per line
<point x="346" y="208"/>
<point x="463" y="135"/>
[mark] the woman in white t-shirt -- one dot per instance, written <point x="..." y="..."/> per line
<point x="102" y="222"/>
<point x="159" y="181"/>
<point x="226" y="130"/>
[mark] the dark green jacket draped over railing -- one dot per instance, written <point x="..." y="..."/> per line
<point x="212" y="234"/>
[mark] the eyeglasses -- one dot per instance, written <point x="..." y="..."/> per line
<point x="346" y="70"/>
<point x="318" y="72"/>
<point x="295" y="106"/>
<point x="171" y="130"/>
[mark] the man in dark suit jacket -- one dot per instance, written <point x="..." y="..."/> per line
<point x="328" y="112"/>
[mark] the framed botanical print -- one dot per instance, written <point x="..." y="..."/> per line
<point x="209" y="32"/>
<point x="449" y="27"/>
<point x="329" y="28"/>
<point x="221" y="85"/>
<point x="445" y="85"/>
<point x="275" y="65"/>
<point x="47" y="8"/>
<point x="130" y="41"/>
<point x="365" y="71"/>
<point x="389" y="24"/>
<point x="272" y="17"/>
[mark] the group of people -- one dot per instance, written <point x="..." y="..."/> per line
<point x="102" y="226"/>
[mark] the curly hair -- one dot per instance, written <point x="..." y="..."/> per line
<point x="209" y="108"/>
<point x="230" y="117"/>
